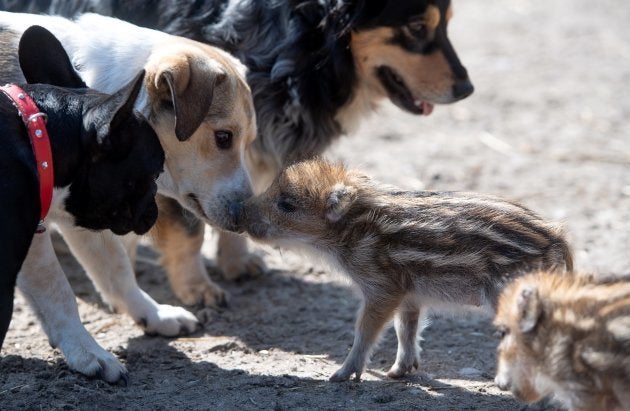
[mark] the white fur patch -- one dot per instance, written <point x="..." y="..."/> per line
<point x="620" y="328"/>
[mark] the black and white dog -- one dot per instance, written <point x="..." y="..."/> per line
<point x="106" y="158"/>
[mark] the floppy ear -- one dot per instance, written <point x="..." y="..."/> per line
<point x="339" y="201"/>
<point x="188" y="84"/>
<point x="529" y="308"/>
<point x="43" y="60"/>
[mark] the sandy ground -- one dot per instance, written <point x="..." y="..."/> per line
<point x="548" y="126"/>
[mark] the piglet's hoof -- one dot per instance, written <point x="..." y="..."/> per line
<point x="344" y="375"/>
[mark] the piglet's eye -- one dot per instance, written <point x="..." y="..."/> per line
<point x="503" y="332"/>
<point x="286" y="207"/>
<point x="223" y="139"/>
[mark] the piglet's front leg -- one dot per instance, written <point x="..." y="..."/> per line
<point x="373" y="316"/>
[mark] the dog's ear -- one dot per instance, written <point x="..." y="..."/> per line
<point x="389" y="12"/>
<point x="124" y="99"/>
<point x="115" y="111"/>
<point x="43" y="59"/>
<point x="339" y="201"/>
<point x="188" y="84"/>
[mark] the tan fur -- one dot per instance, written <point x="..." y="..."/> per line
<point x="209" y="93"/>
<point x="564" y="340"/>
<point x="179" y="242"/>
<point x="432" y="17"/>
<point x="229" y="108"/>
<point x="408" y="252"/>
<point x="429" y="77"/>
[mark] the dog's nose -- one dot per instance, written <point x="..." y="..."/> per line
<point x="462" y="88"/>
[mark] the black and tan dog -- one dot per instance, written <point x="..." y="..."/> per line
<point x="106" y="158"/>
<point x="316" y="68"/>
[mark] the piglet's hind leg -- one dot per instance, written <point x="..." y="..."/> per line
<point x="406" y="322"/>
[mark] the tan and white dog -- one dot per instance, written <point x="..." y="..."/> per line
<point x="196" y="98"/>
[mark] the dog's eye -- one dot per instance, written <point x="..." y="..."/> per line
<point x="418" y="27"/>
<point x="286" y="207"/>
<point x="223" y="139"/>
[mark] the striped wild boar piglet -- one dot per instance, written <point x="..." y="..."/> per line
<point x="409" y="253"/>
<point x="566" y="338"/>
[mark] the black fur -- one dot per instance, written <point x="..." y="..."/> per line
<point x="301" y="68"/>
<point x="106" y="154"/>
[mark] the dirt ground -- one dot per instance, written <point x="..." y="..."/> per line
<point x="548" y="125"/>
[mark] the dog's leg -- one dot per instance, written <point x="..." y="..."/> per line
<point x="44" y="284"/>
<point x="178" y="236"/>
<point x="374" y="314"/>
<point x="406" y="322"/>
<point x="234" y="258"/>
<point x="105" y="260"/>
<point x="6" y="306"/>
<point x="130" y="242"/>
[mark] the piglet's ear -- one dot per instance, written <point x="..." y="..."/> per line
<point x="339" y="201"/>
<point x="529" y="308"/>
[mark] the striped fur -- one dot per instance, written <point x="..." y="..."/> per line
<point x="410" y="253"/>
<point x="566" y="337"/>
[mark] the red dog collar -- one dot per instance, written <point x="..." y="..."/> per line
<point x="35" y="122"/>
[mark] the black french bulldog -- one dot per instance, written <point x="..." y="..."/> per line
<point x="105" y="155"/>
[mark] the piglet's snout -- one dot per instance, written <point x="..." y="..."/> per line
<point x="501" y="382"/>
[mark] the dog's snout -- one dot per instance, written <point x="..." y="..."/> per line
<point x="462" y="89"/>
<point x="234" y="212"/>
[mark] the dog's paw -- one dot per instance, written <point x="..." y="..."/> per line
<point x="206" y="294"/>
<point x="248" y="265"/>
<point x="235" y="260"/>
<point x="403" y="367"/>
<point x="194" y="287"/>
<point x="169" y="321"/>
<point x="88" y="358"/>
